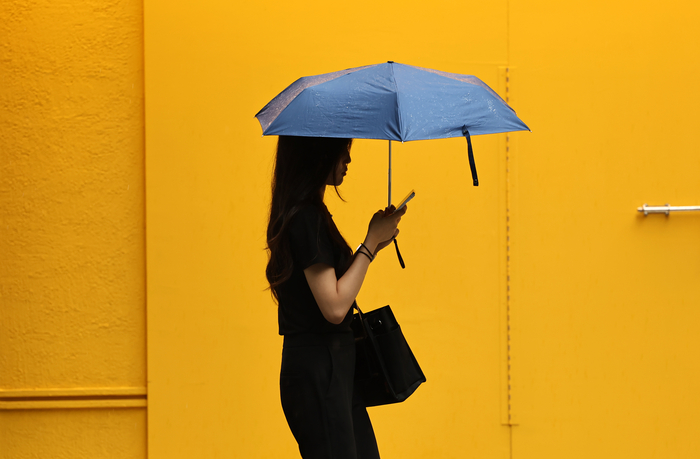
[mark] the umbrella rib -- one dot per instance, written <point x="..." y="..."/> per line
<point x="398" y="103"/>
<point x="267" y="115"/>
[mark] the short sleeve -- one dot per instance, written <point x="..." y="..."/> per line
<point x="310" y="240"/>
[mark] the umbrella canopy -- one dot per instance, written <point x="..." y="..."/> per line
<point x="388" y="101"/>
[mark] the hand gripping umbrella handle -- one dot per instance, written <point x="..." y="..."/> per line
<point x="472" y="164"/>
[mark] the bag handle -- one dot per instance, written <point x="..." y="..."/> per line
<point x="357" y="308"/>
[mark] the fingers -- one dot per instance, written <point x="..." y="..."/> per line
<point x="390" y="210"/>
<point x="399" y="214"/>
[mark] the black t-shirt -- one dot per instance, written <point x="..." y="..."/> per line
<point x="310" y="243"/>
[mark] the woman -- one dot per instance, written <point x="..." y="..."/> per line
<point x="315" y="278"/>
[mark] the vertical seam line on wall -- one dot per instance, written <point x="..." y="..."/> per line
<point x="508" y="337"/>
<point x="508" y="274"/>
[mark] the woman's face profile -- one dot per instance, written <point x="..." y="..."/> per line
<point x="336" y="177"/>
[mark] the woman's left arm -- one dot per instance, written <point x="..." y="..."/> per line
<point x="335" y="296"/>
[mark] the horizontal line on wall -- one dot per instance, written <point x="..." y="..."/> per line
<point x="72" y="404"/>
<point x="72" y="398"/>
<point x="74" y="392"/>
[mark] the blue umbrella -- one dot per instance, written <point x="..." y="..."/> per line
<point x="389" y="101"/>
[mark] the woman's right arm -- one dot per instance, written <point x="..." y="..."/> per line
<point x="335" y="296"/>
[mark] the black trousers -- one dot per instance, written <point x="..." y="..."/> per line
<point x="316" y="388"/>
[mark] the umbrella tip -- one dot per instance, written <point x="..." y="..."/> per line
<point x="389" y="62"/>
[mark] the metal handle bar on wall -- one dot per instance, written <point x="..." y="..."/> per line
<point x="666" y="209"/>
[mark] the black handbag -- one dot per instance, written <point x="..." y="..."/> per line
<point x="386" y="370"/>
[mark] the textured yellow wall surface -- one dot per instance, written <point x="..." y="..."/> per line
<point x="76" y="433"/>
<point x="72" y="266"/>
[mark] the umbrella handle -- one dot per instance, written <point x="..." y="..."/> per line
<point x="472" y="164"/>
<point x="398" y="254"/>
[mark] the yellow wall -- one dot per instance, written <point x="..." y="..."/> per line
<point x="213" y="348"/>
<point x="72" y="267"/>
<point x="605" y="300"/>
<point x="533" y="302"/>
<point x="551" y="319"/>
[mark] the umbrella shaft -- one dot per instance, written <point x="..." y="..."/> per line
<point x="389" y="205"/>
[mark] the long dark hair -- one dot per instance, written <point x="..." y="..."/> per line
<point x="302" y="167"/>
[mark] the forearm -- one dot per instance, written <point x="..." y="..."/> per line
<point x="349" y="285"/>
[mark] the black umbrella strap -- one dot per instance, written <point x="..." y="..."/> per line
<point x="398" y="254"/>
<point x="472" y="164"/>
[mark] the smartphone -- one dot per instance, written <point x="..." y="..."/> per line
<point x="410" y="196"/>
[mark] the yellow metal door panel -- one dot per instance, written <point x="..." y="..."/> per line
<point x="605" y="300"/>
<point x="213" y="353"/>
